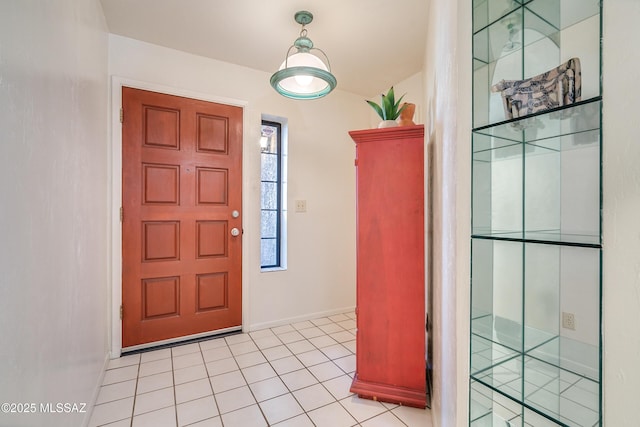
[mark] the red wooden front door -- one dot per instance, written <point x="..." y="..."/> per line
<point x="182" y="228"/>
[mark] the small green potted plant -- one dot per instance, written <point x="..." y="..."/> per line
<point x="389" y="109"/>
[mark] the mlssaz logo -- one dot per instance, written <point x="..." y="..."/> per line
<point x="66" y="408"/>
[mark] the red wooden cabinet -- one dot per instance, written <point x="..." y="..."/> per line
<point x="390" y="356"/>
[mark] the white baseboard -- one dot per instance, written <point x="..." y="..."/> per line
<point x="286" y="321"/>
<point x="96" y="391"/>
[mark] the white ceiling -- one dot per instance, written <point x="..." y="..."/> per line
<point x="371" y="44"/>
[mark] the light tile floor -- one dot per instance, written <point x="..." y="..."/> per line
<point x="295" y="375"/>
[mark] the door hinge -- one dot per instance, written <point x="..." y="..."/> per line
<point x="121" y="115"/>
<point x="121" y="214"/>
<point x="121" y="312"/>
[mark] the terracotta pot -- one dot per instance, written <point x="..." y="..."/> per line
<point x="406" y="117"/>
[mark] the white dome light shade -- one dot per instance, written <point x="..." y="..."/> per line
<point x="304" y="75"/>
<point x="303" y="81"/>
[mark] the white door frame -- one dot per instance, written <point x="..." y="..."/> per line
<point x="115" y="160"/>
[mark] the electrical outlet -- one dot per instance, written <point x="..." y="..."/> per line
<point x="301" y="205"/>
<point x="569" y="321"/>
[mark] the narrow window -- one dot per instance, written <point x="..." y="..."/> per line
<point x="272" y="189"/>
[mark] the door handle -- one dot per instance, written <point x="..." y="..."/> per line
<point x="235" y="232"/>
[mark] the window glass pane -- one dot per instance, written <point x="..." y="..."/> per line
<point x="269" y="224"/>
<point x="269" y="195"/>
<point x="269" y="167"/>
<point x="268" y="257"/>
<point x="269" y="139"/>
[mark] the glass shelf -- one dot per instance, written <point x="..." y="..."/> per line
<point x="519" y="291"/>
<point x="489" y="408"/>
<point x="494" y="344"/>
<point x="504" y="377"/>
<point x="540" y="388"/>
<point x="576" y="357"/>
<point x="519" y="348"/>
<point x="518" y="41"/>
<point x="581" y="119"/>
<point x="487" y="353"/>
<point x="580" y="358"/>
<point x="561" y="394"/>
<point x="505" y="37"/>
<point x="550" y="237"/>
<point x="538" y="179"/>
<point x="486" y="12"/>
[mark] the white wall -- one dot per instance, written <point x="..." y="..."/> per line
<point x="447" y="126"/>
<point x="321" y="242"/>
<point x="53" y="219"/>
<point x="621" y="228"/>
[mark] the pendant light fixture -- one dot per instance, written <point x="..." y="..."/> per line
<point x="304" y="74"/>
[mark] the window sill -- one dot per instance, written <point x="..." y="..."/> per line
<point x="270" y="269"/>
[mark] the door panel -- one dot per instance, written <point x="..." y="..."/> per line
<point x="182" y="179"/>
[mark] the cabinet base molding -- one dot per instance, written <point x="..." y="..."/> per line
<point x="388" y="393"/>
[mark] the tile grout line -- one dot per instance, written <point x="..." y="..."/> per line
<point x="277" y="376"/>
<point x="135" y="391"/>
<point x="173" y="379"/>
<point x="295" y="356"/>
<point x="291" y="392"/>
<point x="331" y="326"/>
<point x="213" y="394"/>
<point x="315" y="377"/>
<point x="247" y="385"/>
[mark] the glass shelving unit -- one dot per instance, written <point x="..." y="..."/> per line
<point x="536" y="222"/>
